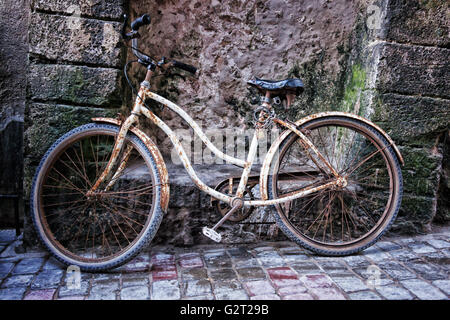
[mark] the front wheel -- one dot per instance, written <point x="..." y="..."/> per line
<point x="103" y="230"/>
<point x="347" y="218"/>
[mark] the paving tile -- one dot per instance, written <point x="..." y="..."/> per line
<point x="267" y="296"/>
<point x="259" y="287"/>
<point x="168" y="274"/>
<point x="104" y="290"/>
<point x="190" y="261"/>
<point x="396" y="270"/>
<point x="12" y="293"/>
<point x="306" y="267"/>
<point x="394" y="292"/>
<point x="364" y="295"/>
<point x="218" y="261"/>
<point x="165" y="290"/>
<point x="17" y="281"/>
<point x="426" y="270"/>
<point x="139" y="264"/>
<point x="283" y="276"/>
<point x="46" y="294"/>
<point x="225" y="286"/>
<point x="162" y="259"/>
<point x="317" y="281"/>
<point x="196" y="287"/>
<point x="164" y="270"/>
<point x="203" y="297"/>
<point x="223" y="274"/>
<point x="136" y="280"/>
<point x="375" y="254"/>
<point x="327" y="294"/>
<point x="403" y="255"/>
<point x="420" y="247"/>
<point x="438" y="259"/>
<point x="444" y="285"/>
<point x="135" y="293"/>
<point x="100" y="276"/>
<point x="356" y="261"/>
<point x="47" y="279"/>
<point x="6" y="267"/>
<point x="28" y="266"/>
<point x="294" y="256"/>
<point x="333" y="267"/>
<point x="298" y="296"/>
<point x="72" y="298"/>
<point x="82" y="290"/>
<point x="270" y="258"/>
<point x="246" y="262"/>
<point x="388" y="246"/>
<point x="232" y="295"/>
<point x="239" y="252"/>
<point x="291" y="290"/>
<point x="53" y="264"/>
<point x="438" y="244"/>
<point x="373" y="276"/>
<point x="423" y="290"/>
<point x="251" y="273"/>
<point x="194" y="274"/>
<point x="350" y="284"/>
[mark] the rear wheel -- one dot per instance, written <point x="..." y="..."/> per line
<point x="104" y="230"/>
<point x="345" y="219"/>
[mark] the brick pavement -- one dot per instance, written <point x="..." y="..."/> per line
<point x="395" y="268"/>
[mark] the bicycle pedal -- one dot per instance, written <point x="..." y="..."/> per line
<point x="212" y="234"/>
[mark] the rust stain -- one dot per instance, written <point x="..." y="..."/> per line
<point x="160" y="164"/>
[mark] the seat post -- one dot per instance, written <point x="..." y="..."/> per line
<point x="290" y="98"/>
<point x="266" y="99"/>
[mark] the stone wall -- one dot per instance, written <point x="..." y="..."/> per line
<point x="75" y="62"/>
<point x="395" y="74"/>
<point x="13" y="72"/>
<point x="412" y="92"/>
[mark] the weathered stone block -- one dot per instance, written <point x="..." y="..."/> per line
<point x="99" y="9"/>
<point x="415" y="215"/>
<point x="414" y="70"/>
<point x="419" y="22"/>
<point x="81" y="40"/>
<point x="76" y="84"/>
<point x="421" y="171"/>
<point x="52" y="121"/>
<point x="46" y="123"/>
<point x="408" y="118"/>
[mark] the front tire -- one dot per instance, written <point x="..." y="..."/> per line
<point x="103" y="231"/>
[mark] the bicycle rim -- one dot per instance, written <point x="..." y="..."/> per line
<point x="343" y="218"/>
<point x="108" y="225"/>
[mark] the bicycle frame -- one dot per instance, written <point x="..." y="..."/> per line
<point x="139" y="109"/>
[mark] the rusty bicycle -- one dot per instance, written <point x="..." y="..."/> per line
<point x="100" y="192"/>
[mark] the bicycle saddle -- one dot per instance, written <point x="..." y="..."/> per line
<point x="290" y="85"/>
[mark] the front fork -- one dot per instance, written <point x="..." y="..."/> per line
<point x="125" y="126"/>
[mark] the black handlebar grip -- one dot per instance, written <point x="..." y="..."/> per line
<point x="184" y="66"/>
<point x="139" y="22"/>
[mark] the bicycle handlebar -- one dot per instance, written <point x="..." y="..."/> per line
<point x="139" y="22"/>
<point x="134" y="35"/>
<point x="184" y="66"/>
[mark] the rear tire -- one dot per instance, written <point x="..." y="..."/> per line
<point x="109" y="229"/>
<point x="369" y="203"/>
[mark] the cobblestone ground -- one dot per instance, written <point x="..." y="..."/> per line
<point x="397" y="268"/>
